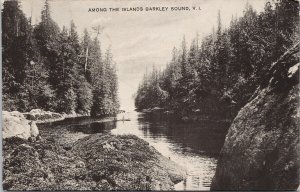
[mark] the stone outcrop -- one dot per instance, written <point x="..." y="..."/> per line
<point x="41" y="116"/>
<point x="96" y="162"/>
<point x="15" y="125"/>
<point x="262" y="144"/>
<point x="127" y="163"/>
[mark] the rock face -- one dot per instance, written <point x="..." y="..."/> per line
<point x="95" y="162"/>
<point x="15" y="125"/>
<point x="261" y="147"/>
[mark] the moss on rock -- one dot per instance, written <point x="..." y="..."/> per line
<point x="95" y="162"/>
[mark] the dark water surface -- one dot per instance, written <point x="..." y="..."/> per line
<point x="195" y="146"/>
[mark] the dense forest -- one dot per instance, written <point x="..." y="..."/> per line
<point x="217" y="75"/>
<point x="54" y="69"/>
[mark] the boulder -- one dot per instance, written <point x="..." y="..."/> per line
<point x="261" y="150"/>
<point x="41" y="116"/>
<point x="15" y="125"/>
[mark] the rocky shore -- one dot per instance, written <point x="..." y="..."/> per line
<point x="41" y="116"/>
<point x="59" y="160"/>
<point x="16" y="125"/>
<point x="261" y="150"/>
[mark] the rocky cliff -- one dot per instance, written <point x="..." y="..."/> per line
<point x="262" y="144"/>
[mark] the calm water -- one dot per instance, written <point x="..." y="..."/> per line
<point x="193" y="146"/>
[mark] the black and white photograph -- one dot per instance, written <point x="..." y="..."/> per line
<point x="150" y="95"/>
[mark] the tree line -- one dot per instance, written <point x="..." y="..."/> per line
<point x="54" y="69"/>
<point x="218" y="74"/>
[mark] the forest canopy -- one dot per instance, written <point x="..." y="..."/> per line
<point x="218" y="74"/>
<point x="54" y="69"/>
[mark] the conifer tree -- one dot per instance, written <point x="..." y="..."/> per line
<point x="218" y="78"/>
<point x="15" y="38"/>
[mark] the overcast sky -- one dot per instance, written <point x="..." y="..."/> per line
<point x="140" y="40"/>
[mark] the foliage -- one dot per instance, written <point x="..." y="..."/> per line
<point x="49" y="68"/>
<point x="219" y="76"/>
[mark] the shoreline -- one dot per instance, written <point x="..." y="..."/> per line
<point x="90" y="162"/>
<point x="63" y="160"/>
<point x="40" y="116"/>
<point x="184" y="118"/>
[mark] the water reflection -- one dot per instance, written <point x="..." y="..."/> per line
<point x="194" y="146"/>
<point x="86" y="125"/>
<point x="206" y="137"/>
<point x="95" y="127"/>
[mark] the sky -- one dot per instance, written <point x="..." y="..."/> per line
<point x="142" y="39"/>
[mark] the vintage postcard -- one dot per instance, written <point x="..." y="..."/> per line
<point x="192" y="95"/>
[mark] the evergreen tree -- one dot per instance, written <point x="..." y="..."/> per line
<point x="96" y="68"/>
<point x="46" y="68"/>
<point x="47" y="34"/>
<point x="218" y="78"/>
<point x="85" y="55"/>
<point x="15" y="37"/>
<point x="65" y="71"/>
<point x="82" y="87"/>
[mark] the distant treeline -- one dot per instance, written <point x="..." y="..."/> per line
<point x="52" y="69"/>
<point x="217" y="76"/>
